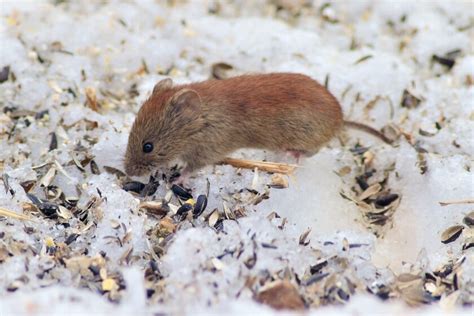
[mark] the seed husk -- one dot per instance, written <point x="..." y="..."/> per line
<point x="212" y="220"/>
<point x="468" y="243"/>
<point x="118" y="173"/>
<point x="200" y="205"/>
<point x="155" y="208"/>
<point x="94" y="167"/>
<point x="469" y="219"/>
<point x="409" y="100"/>
<point x="71" y="201"/>
<point x="304" y="236"/>
<point x="219" y="70"/>
<point x="48" y="177"/>
<point x="315" y="278"/>
<point x="372" y="190"/>
<point x="279" y="181"/>
<point x="181" y="192"/>
<point x="451" y="234"/>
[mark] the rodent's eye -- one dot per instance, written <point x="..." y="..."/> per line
<point x="147" y="147"/>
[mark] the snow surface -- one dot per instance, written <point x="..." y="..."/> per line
<point x="108" y="42"/>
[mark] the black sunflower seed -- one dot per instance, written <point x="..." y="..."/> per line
<point x="181" y="192"/>
<point x="184" y="209"/>
<point x="134" y="186"/>
<point x="200" y="205"/>
<point x="385" y="200"/>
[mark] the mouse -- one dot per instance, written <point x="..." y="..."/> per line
<point x="198" y="124"/>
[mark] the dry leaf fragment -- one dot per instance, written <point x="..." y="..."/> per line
<point x="281" y="295"/>
<point x="91" y="99"/>
<point x="167" y="224"/>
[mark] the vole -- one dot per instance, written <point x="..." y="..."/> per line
<point x="198" y="124"/>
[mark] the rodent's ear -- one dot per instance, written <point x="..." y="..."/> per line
<point x="186" y="100"/>
<point x="162" y="85"/>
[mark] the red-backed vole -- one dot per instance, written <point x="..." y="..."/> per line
<point x="200" y="123"/>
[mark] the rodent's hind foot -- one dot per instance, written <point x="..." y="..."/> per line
<point x="298" y="154"/>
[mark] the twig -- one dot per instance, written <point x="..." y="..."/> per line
<point x="7" y="213"/>
<point x="469" y="201"/>
<point x="261" y="165"/>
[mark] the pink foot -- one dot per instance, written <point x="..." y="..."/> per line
<point x="297" y="154"/>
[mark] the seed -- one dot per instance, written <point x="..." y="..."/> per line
<point x="315" y="278"/>
<point x="451" y="234"/>
<point x="181" y="192"/>
<point x="200" y="205"/>
<point x="54" y="142"/>
<point x="4" y="73"/>
<point x="134" y="186"/>
<point x="94" y="167"/>
<point x="184" y="209"/>
<point x="318" y="266"/>
<point x="386" y="199"/>
<point x="219" y="226"/>
<point x="71" y="201"/>
<point x="71" y="238"/>
<point x="49" y="209"/>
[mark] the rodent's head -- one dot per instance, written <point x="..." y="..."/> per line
<point x="163" y="129"/>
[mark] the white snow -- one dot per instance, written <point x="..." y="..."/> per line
<point x="104" y="46"/>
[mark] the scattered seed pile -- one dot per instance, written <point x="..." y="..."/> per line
<point x="247" y="236"/>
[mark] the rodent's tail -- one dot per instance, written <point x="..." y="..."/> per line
<point x="367" y="129"/>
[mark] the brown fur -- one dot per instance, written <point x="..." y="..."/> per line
<point x="279" y="112"/>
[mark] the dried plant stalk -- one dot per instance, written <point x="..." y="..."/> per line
<point x="261" y="165"/>
<point x="468" y="201"/>
<point x="7" y="213"/>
